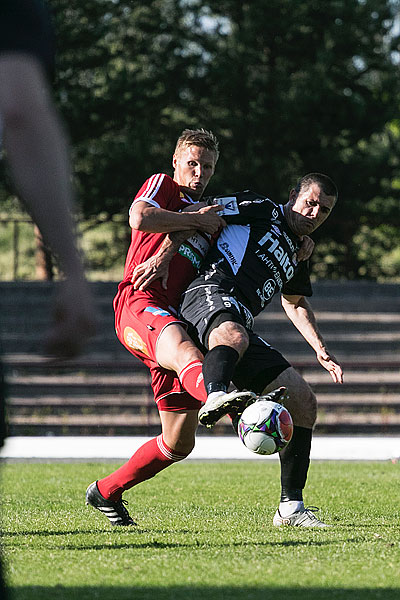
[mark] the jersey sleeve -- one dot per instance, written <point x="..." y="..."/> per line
<point x="299" y="284"/>
<point x="158" y="191"/>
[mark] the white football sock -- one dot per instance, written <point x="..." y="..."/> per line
<point x="290" y="506"/>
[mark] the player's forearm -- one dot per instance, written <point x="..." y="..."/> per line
<point x="303" y="318"/>
<point x="159" y="220"/>
<point x="171" y="244"/>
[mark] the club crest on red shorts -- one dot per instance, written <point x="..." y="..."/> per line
<point x="133" y="340"/>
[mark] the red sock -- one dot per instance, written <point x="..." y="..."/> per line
<point x="191" y="377"/>
<point x="148" y="460"/>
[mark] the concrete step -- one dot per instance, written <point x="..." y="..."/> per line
<point x="92" y="385"/>
<point x="148" y="424"/>
<point x="292" y="348"/>
<point x="102" y="403"/>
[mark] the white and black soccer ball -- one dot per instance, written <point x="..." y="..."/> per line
<point x="265" y="427"/>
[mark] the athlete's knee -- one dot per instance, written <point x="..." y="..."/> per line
<point x="182" y="445"/>
<point x="179" y="431"/>
<point x="230" y="334"/>
<point x="301" y="402"/>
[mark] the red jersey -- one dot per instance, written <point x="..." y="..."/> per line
<point x="162" y="191"/>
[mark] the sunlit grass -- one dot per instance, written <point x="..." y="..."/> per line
<point x="204" y="531"/>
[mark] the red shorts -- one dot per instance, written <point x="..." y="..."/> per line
<point x="139" y="321"/>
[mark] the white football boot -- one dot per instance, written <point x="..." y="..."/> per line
<point x="304" y="517"/>
<point x="220" y="404"/>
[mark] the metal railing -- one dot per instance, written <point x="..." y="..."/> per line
<point x="21" y="246"/>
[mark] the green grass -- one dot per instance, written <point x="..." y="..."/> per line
<point x="204" y="532"/>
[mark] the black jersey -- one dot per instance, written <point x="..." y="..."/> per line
<point x="256" y="253"/>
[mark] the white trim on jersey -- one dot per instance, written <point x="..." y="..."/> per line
<point x="143" y="199"/>
<point x="153" y="185"/>
<point x="198" y="287"/>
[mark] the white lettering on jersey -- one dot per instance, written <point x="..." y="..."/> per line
<point x="256" y="201"/>
<point x="276" y="229"/>
<point x="278" y="252"/>
<point x="288" y="240"/>
<point x="267" y="291"/>
<point x="232" y="243"/>
<point x="199" y="243"/>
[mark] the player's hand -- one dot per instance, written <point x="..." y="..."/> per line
<point x="150" y="270"/>
<point x="306" y="248"/>
<point x="208" y="219"/>
<point x="74" y="320"/>
<point x="329" y="362"/>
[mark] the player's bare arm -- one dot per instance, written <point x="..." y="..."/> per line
<point x="151" y="219"/>
<point x="302" y="316"/>
<point x="157" y="266"/>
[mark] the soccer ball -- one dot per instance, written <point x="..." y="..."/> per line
<point x="265" y="427"/>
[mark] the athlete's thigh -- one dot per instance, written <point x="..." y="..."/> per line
<point x="175" y="349"/>
<point x="302" y="403"/>
<point x="201" y="306"/>
<point x="139" y="322"/>
<point x="169" y="394"/>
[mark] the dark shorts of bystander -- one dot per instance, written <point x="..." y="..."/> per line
<point x="26" y="27"/>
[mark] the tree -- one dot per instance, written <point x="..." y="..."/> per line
<point x="123" y="70"/>
<point x="310" y="86"/>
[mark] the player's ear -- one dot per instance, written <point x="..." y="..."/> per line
<point x="174" y="161"/>
<point x="292" y="195"/>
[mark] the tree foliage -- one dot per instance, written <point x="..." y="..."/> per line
<point x="289" y="87"/>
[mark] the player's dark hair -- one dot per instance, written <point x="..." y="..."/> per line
<point x="198" y="137"/>
<point x="325" y="183"/>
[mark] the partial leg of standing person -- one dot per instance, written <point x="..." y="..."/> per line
<point x="37" y="153"/>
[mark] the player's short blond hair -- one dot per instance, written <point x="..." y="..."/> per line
<point x="197" y="137"/>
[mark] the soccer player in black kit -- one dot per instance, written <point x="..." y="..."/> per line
<point x="254" y="259"/>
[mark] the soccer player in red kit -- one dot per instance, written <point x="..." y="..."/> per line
<point x="146" y="321"/>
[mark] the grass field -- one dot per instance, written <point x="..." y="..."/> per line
<point x="204" y="532"/>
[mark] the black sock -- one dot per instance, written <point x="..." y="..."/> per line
<point x="295" y="460"/>
<point x="218" y="368"/>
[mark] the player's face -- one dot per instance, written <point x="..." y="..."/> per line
<point x="194" y="166"/>
<point x="309" y="209"/>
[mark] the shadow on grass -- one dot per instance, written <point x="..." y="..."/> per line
<point x="196" y="593"/>
<point x="137" y="543"/>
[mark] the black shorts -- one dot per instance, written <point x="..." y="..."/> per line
<point x="205" y="307"/>
<point x="25" y="26"/>
<point x="204" y="302"/>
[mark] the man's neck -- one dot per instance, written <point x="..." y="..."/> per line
<point x="287" y="211"/>
<point x="189" y="193"/>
